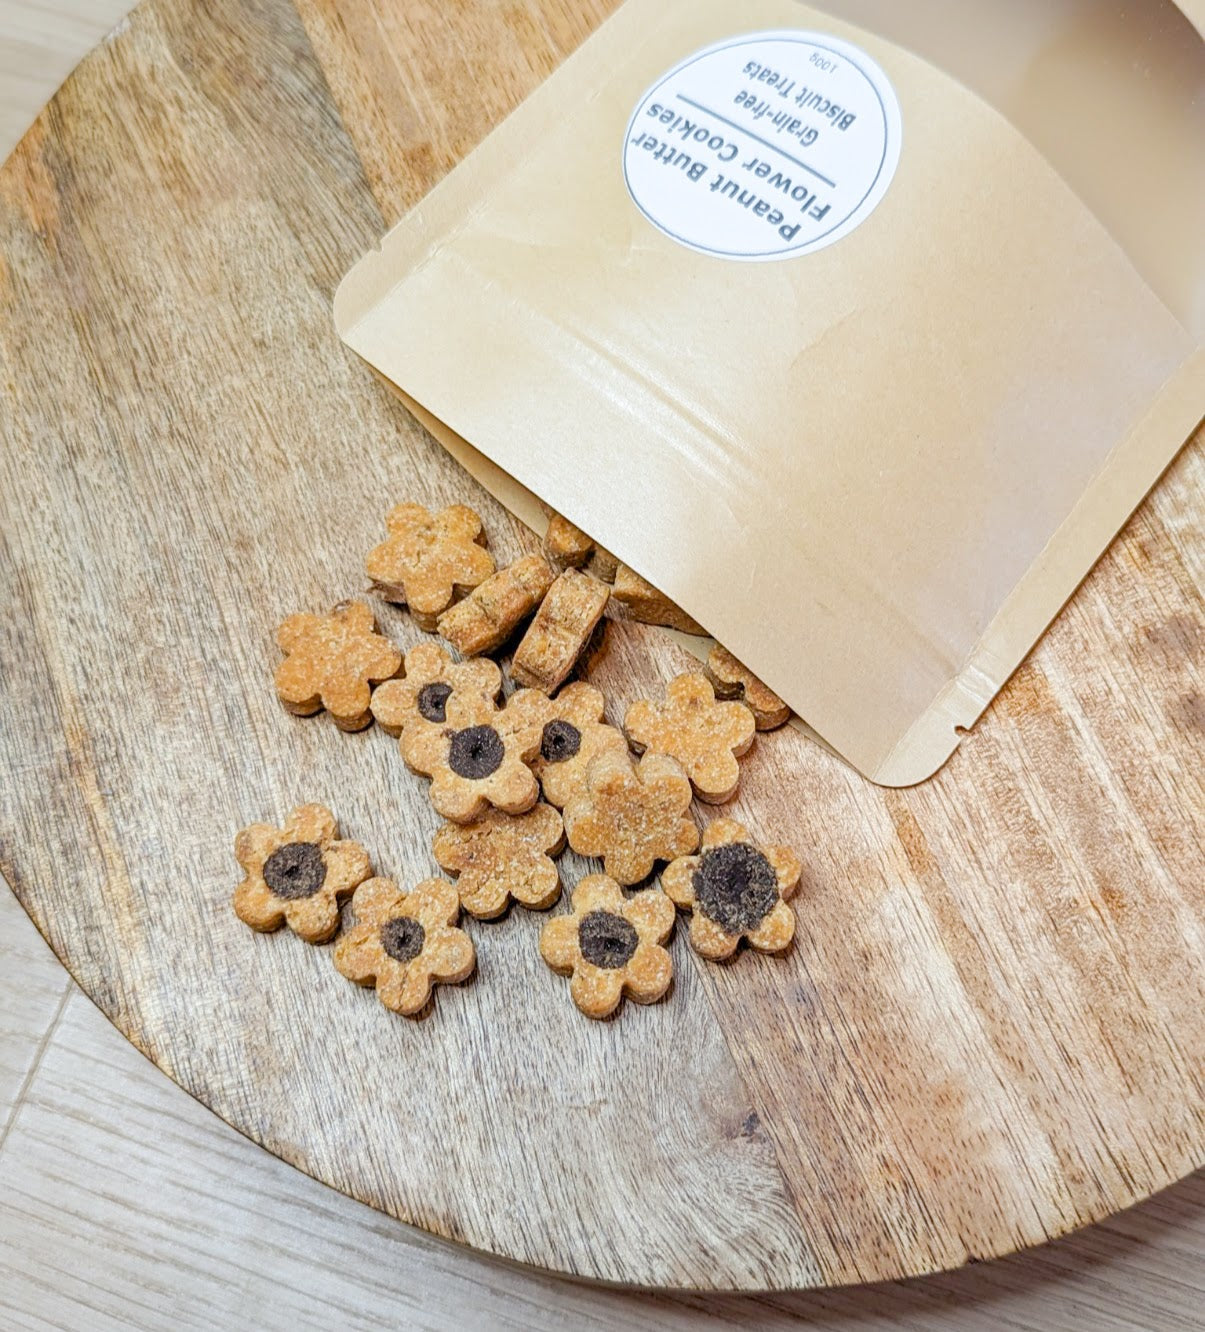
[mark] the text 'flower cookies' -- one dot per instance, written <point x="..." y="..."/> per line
<point x="611" y="946"/>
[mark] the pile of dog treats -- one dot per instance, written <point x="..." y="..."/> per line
<point x="515" y="779"/>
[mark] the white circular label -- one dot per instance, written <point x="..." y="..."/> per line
<point x="765" y="146"/>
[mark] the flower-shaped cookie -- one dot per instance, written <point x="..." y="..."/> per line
<point x="503" y="856"/>
<point x="478" y="757"/>
<point x="405" y="943"/>
<point x="611" y="946"/>
<point x="732" y="680"/>
<point x="736" y="890"/>
<point x="331" y="661"/>
<point x="706" y="737"/>
<point x="632" y="815"/>
<point x="432" y="677"/>
<point x="296" y="875"/>
<point x="428" y="560"/>
<point x="574" y="733"/>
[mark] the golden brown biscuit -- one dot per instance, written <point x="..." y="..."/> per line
<point x="560" y="633"/>
<point x="296" y="875"/>
<point x="432" y="678"/>
<point x="477" y="758"/>
<point x="732" y="680"/>
<point x="405" y="943"/>
<point x="611" y="946"/>
<point x="644" y="603"/>
<point x="503" y="856"/>
<point x="488" y="616"/>
<point x="427" y="560"/>
<point x="331" y="661"/>
<point x="706" y="737"/>
<point x="632" y="816"/>
<point x="736" y="890"/>
<point x="568" y="547"/>
<point x="573" y="733"/>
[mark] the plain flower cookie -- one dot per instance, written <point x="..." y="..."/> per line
<point x="332" y="661"/>
<point x="632" y="816"/>
<point x="706" y="737"/>
<point x="405" y="943"/>
<point x="503" y="856"/>
<point x="611" y="946"/>
<point x="736" y="890"/>
<point x="297" y="874"/>
<point x="427" y="560"/>
<point x="477" y="758"/>
<point x="574" y="735"/>
<point x="432" y="678"/>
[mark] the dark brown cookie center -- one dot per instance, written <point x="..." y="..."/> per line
<point x="295" y="871"/>
<point x="476" y="753"/>
<point x="607" y="940"/>
<point x="433" y="702"/>
<point x="403" y="938"/>
<point x="561" y="742"/>
<point x="735" y="885"/>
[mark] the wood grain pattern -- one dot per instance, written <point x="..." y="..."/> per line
<point x="124" y="1204"/>
<point x="988" y="1032"/>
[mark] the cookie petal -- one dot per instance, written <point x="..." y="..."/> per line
<point x="559" y="945"/>
<point x="406" y="989"/>
<point x="450" y="956"/>
<point x="254" y="905"/>
<point x="787" y="868"/>
<point x="595" y="991"/>
<point x="709" y="941"/>
<point x="723" y="832"/>
<point x="775" y="932"/>
<point x="652" y="913"/>
<point x="312" y="823"/>
<point x="434" y="903"/>
<point x="314" y="919"/>
<point x="677" y="879"/>
<point x="254" y="845"/>
<point x="598" y="892"/>
<point x="347" y="865"/>
<point x="375" y="900"/>
<point x="647" y="976"/>
<point x="358" y="955"/>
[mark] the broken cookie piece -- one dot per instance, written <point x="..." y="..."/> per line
<point x="491" y="613"/>
<point x="560" y="632"/>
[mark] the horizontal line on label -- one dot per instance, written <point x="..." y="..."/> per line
<point x="757" y="138"/>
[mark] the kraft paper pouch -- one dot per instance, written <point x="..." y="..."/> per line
<point x="858" y="330"/>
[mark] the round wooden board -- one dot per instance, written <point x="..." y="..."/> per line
<point x="989" y="1029"/>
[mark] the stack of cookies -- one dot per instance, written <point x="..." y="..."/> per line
<point x="518" y="775"/>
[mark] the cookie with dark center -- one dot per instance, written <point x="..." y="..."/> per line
<point x="295" y="871"/>
<point x="403" y="938"/>
<point x="561" y="742"/>
<point x="607" y="940"/>
<point x="476" y="753"/>
<point x="433" y="702"/>
<point x="736" y="886"/>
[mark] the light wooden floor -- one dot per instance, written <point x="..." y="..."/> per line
<point x="125" y="1204"/>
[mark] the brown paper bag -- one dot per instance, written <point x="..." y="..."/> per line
<point x="859" y="342"/>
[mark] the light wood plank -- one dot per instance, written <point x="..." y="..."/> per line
<point x="41" y="41"/>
